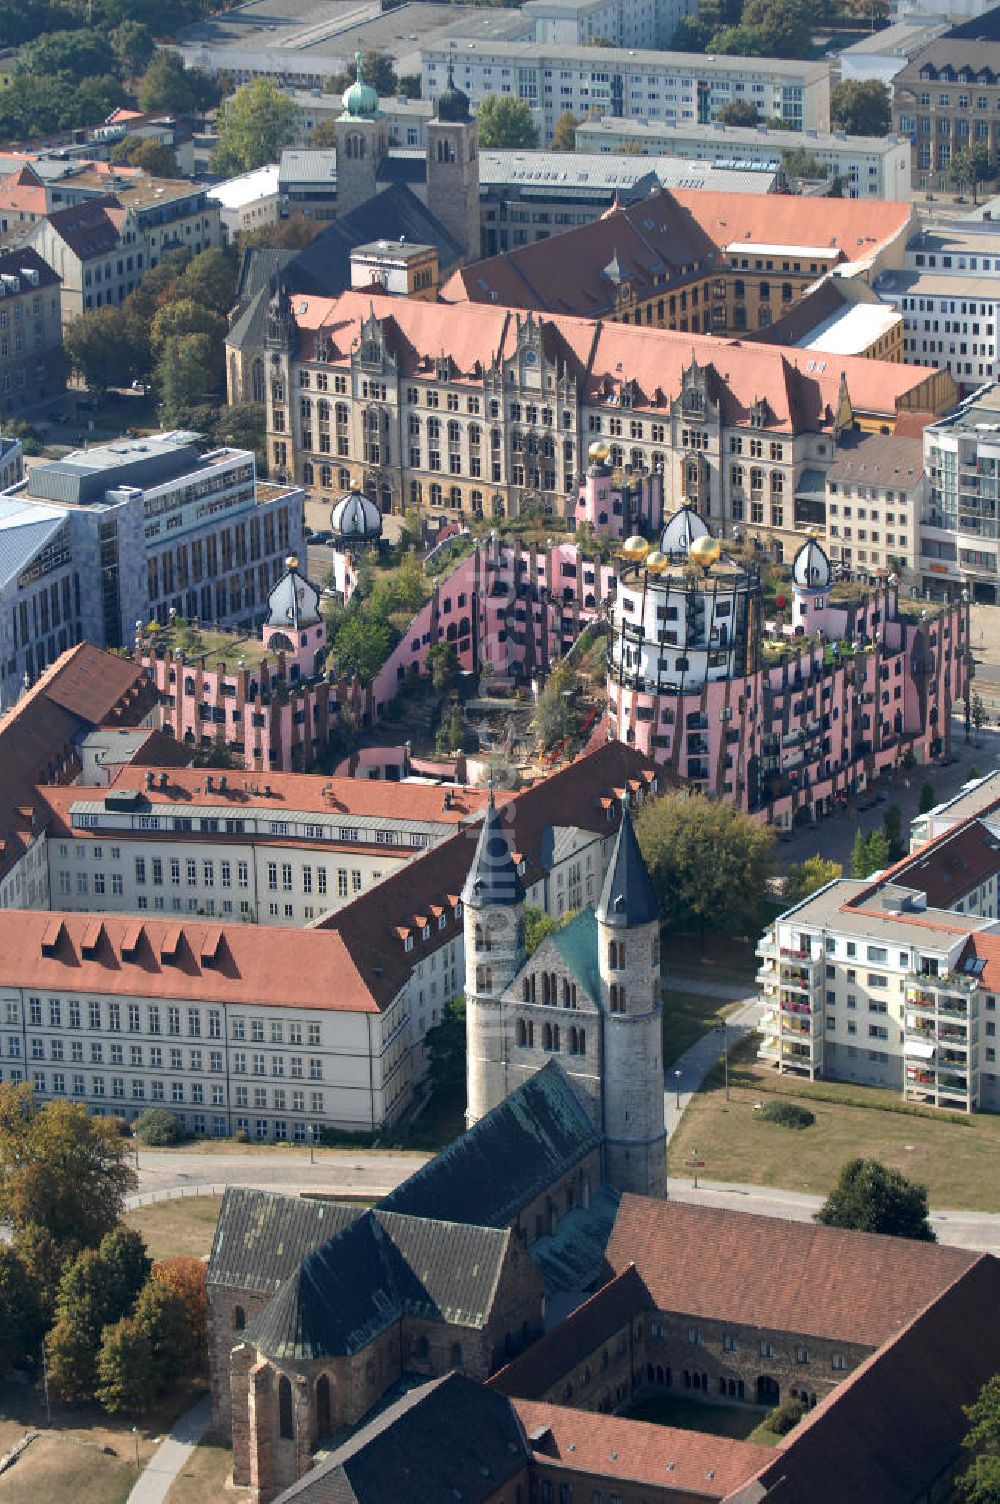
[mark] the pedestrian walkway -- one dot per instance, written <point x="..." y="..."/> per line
<point x="686" y="1075"/>
<point x="170" y="1456"/>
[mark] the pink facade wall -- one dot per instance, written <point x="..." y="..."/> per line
<point x="617" y="512"/>
<point x="797" y="736"/>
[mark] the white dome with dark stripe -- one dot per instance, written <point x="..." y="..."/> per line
<point x="681" y="531"/>
<point x="356" y="518"/>
<point x="811" y="567"/>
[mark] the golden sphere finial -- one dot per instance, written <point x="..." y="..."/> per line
<point x="636" y="548"/>
<point x="598" y="452"/>
<point x="292" y="561"/>
<point x="705" y="551"/>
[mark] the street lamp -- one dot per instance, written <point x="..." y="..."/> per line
<point x="722" y="1028"/>
<point x="312" y="1143"/>
<point x="135" y="1438"/>
<point x="677" y="1088"/>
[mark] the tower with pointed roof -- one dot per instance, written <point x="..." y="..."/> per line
<point x="453" y="167"/>
<point x="493" y="904"/>
<point x="362" y="143"/>
<point x="628" y="955"/>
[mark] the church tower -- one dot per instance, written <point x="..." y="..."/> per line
<point x="362" y="144"/>
<point x="453" y="168"/>
<point x="493" y="907"/>
<point x="628" y="948"/>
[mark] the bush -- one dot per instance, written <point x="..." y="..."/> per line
<point x="787" y="1114"/>
<point x="785" y="1417"/>
<point x="158" y="1127"/>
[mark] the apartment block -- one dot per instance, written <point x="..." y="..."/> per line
<point x="676" y="87"/>
<point x="958" y="538"/>
<point x="31" y="354"/>
<point x="869" y="166"/>
<point x="946" y="98"/>
<point x="893" y="981"/>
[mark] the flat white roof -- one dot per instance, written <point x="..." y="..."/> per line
<point x="762" y="248"/>
<point x="247" y="189"/>
<point x="852" y="329"/>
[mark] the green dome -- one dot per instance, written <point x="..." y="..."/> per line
<point x="453" y="102"/>
<point x="360" y="98"/>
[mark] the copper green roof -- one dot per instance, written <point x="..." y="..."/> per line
<point x="576" y="942"/>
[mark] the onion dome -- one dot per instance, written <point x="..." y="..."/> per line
<point x="681" y="531"/>
<point x="811" y="568"/>
<point x="356" y="519"/>
<point x="453" y="102"/>
<point x="360" y="99"/>
<point x="294" y="601"/>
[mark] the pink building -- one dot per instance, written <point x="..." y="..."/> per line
<point x="782" y="725"/>
<point x="618" y="511"/>
<point x="275" y="712"/>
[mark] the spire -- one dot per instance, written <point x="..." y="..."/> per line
<point x="627" y="898"/>
<point x="493" y="878"/>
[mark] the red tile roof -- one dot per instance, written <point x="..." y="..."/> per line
<point x="632" y="1451"/>
<point x="802" y="390"/>
<point x="193" y="960"/>
<point x="780" y="1276"/>
<point x="892" y="1431"/>
<point x="854" y="228"/>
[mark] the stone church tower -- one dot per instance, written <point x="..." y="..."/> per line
<point x="453" y="168"/>
<point x="628" y="951"/>
<point x="587" y="998"/>
<point x="493" y="904"/>
<point x="362" y="144"/>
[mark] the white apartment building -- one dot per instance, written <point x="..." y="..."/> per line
<point x="617" y="23"/>
<point x="893" y="981"/>
<point x="246" y="203"/>
<point x="870" y="166"/>
<point x="876" y="495"/>
<point x="949" y="296"/>
<point x="272" y="849"/>
<point x="959" y="536"/>
<point x="676" y="87"/>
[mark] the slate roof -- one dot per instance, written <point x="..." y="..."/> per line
<point x="92" y="228"/>
<point x="323" y="267"/>
<point x="451" y="1439"/>
<point x="261" y="1237"/>
<point x="493" y="877"/>
<point x="627" y="897"/>
<point x="895" y="1427"/>
<point x="490" y="1173"/>
<point x="375" y="1271"/>
<point x="848" y="1286"/>
<point x="593" y="1324"/>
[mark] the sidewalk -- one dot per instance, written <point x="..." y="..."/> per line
<point x="170" y="1456"/>
<point x="686" y="1075"/>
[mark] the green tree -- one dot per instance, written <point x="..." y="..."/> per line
<point x="33" y="105"/>
<point x="970" y="166"/>
<point x="409" y="85"/>
<point x="557" y="713"/>
<point x="979" y="1481"/>
<point x="871" y="1198"/>
<point x="126" y="1374"/>
<point x="442" y="665"/>
<point x="708" y="862"/>
<point x="45" y="1262"/>
<point x="892" y="829"/>
<point x="74" y="54"/>
<point x="859" y="855"/>
<point x="254" y="125"/>
<point x="186" y="315"/>
<point x="784" y="26"/>
<point x="537" y="926"/>
<point x="362" y="645"/>
<point x="186" y="1277"/>
<point x="186" y="371"/>
<point x="446" y="1049"/>
<point x="878" y="851"/>
<point x="154" y="157"/>
<point x="928" y="798"/>
<point x="691" y="34"/>
<point x="739" y="112"/>
<point x="977" y="712"/>
<point x="505" y="122"/>
<point x="126" y="1268"/>
<point x="162" y="1315"/>
<point x="22" y="1314"/>
<point x="564" y="132"/>
<point x="168" y="85"/>
<point x="323" y="135"/>
<point x="133" y="47"/>
<point x="60" y="1169"/>
<point x="210" y="279"/>
<point x="243" y="428"/>
<point x="100" y="348"/>
<point x="289" y="234"/>
<point x="809" y="876"/>
<point x="861" y="108"/>
<point x="801" y="163"/>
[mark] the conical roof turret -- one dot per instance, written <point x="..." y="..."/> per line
<point x="493" y="878"/>
<point x="627" y="897"/>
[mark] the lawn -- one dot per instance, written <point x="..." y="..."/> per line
<point x="204" y="1475"/>
<point x="59" y="1468"/>
<point x="184" y="1226"/>
<point x="729" y="961"/>
<point x="737" y="1421"/>
<point x="959" y="1162"/>
<point x="686" y="1017"/>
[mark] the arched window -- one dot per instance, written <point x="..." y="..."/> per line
<point x="239" y="1318"/>
<point x="484" y="979"/>
<point x="257" y="380"/>
<point x="286" y="1420"/>
<point x="308" y="474"/>
<point x="522" y="1033"/>
<point x="422" y="1348"/>
<point x="457" y="1360"/>
<point x="555" y="1036"/>
<point x="545" y="988"/>
<point x="324" y="1407"/>
<point x="234" y="389"/>
<point x="572" y="1041"/>
<point x="526" y="990"/>
<point x="547" y="1037"/>
<point x="617" y="998"/>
